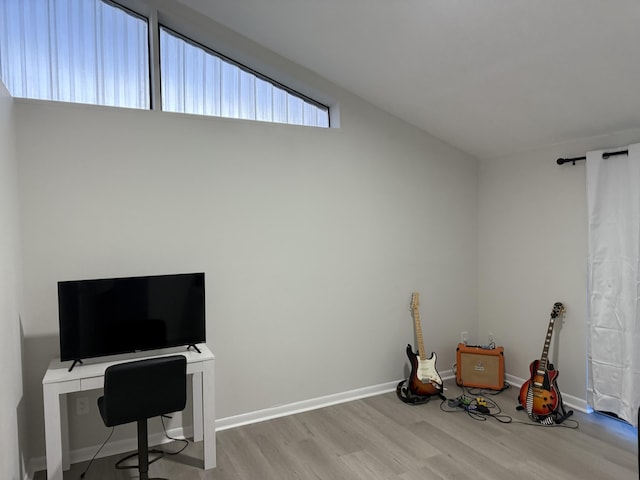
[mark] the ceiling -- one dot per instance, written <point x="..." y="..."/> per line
<point x="491" y="77"/>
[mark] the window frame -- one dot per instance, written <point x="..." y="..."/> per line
<point x="61" y="67"/>
<point x="231" y="47"/>
<point x="245" y="68"/>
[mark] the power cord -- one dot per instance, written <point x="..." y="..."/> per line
<point x="164" y="452"/>
<point x="484" y="392"/>
<point x="184" y="440"/>
<point x="480" y="408"/>
<point x="158" y="451"/>
<point x="96" y="454"/>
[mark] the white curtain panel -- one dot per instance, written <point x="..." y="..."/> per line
<point x="613" y="310"/>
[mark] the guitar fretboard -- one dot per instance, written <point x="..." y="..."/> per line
<point x="558" y="308"/>
<point x="542" y="366"/>
<point x="415" y="307"/>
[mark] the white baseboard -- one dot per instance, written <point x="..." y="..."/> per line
<point x="35" y="465"/>
<point x="311" y="404"/>
<point x="130" y="444"/>
<point x="115" y="447"/>
<point x="303" y="406"/>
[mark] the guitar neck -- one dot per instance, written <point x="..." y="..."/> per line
<point x="418" y="328"/>
<point x="545" y="351"/>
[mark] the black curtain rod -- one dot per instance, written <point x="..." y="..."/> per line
<point x="605" y="155"/>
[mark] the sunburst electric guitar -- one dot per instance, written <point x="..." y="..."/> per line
<point x="424" y="379"/>
<point x="539" y="395"/>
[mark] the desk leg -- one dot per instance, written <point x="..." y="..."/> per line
<point x="53" y="431"/>
<point x="209" y="414"/>
<point x="196" y="380"/>
<point x="64" y="431"/>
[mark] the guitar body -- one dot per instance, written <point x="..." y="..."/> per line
<point x="542" y="391"/>
<point x="424" y="378"/>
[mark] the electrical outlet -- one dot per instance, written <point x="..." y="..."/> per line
<point x="491" y="338"/>
<point x="82" y="406"/>
<point x="463" y="337"/>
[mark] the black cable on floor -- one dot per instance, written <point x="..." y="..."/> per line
<point x="96" y="454"/>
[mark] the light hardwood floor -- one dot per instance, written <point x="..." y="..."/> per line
<point x="382" y="438"/>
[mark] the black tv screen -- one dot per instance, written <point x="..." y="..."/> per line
<point x="121" y="315"/>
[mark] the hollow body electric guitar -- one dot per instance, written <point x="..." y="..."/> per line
<point x="539" y="395"/>
<point x="424" y="379"/>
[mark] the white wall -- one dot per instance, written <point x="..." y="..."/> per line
<point x="12" y="425"/>
<point x="532" y="250"/>
<point x="312" y="240"/>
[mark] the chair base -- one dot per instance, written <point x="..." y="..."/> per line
<point x="119" y="463"/>
<point x="142" y="454"/>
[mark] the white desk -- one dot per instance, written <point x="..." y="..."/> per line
<point x="58" y="381"/>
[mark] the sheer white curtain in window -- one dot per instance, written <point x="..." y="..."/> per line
<point x="613" y="203"/>
<point x="85" y="51"/>
<point x="195" y="80"/>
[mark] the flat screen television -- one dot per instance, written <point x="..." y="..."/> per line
<point x="121" y="315"/>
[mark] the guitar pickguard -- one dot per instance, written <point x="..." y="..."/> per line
<point x="427" y="372"/>
<point x="424" y="379"/>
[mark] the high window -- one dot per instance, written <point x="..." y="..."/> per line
<point x="197" y="80"/>
<point x="87" y="51"/>
<point x="96" y="51"/>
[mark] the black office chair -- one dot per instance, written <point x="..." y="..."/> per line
<point x="138" y="390"/>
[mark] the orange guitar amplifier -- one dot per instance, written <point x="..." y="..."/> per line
<point x="479" y="367"/>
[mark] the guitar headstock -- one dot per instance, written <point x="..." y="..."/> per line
<point x="558" y="309"/>
<point x="415" y="301"/>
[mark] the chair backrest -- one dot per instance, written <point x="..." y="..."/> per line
<point x="143" y="389"/>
